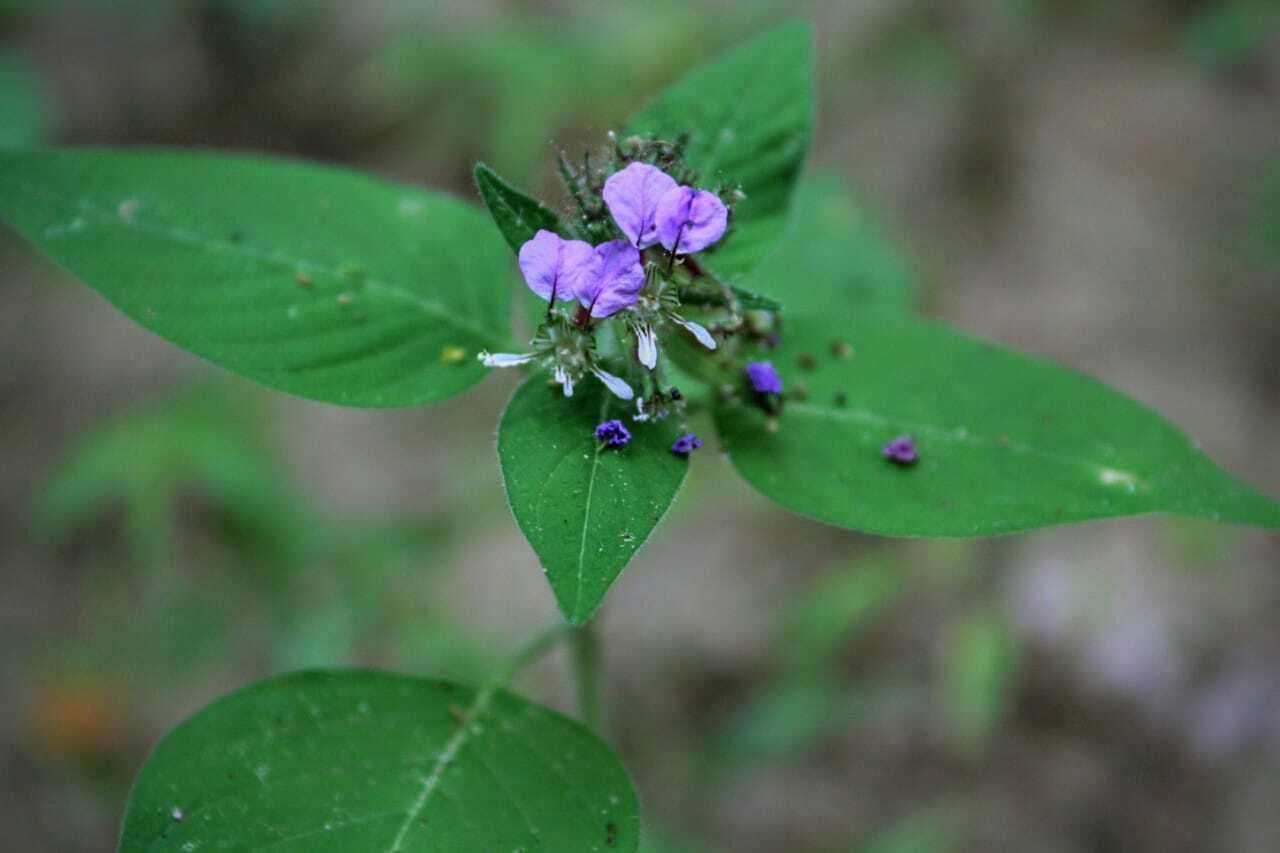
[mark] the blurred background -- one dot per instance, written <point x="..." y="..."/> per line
<point x="1095" y="182"/>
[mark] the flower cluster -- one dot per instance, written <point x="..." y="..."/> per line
<point x="626" y="277"/>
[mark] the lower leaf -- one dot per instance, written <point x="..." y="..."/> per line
<point x="378" y="763"/>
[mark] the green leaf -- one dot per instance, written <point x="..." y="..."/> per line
<point x="1007" y="442"/>
<point x="752" y="301"/>
<point x="834" y="257"/>
<point x="312" y="280"/>
<point x="748" y="117"/>
<point x="584" y="508"/>
<point x="518" y="216"/>
<point x="372" y="762"/>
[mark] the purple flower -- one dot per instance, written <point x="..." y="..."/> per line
<point x="764" y="379"/>
<point x="690" y="220"/>
<point x="632" y="196"/>
<point x="555" y="268"/>
<point x="613" y="433"/>
<point x="617" y="282"/>
<point x="686" y="444"/>
<point x="901" y="450"/>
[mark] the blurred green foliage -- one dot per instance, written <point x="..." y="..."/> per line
<point x="23" y="108"/>
<point x="918" y="833"/>
<point x="1267" y="206"/>
<point x="198" y="484"/>
<point x="524" y="80"/>
<point x="979" y="661"/>
<point x="1233" y="31"/>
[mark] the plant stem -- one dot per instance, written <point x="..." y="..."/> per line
<point x="534" y="649"/>
<point x="586" y="671"/>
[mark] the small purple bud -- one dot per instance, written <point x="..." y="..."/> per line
<point x="902" y="450"/>
<point x="764" y="379"/>
<point x="686" y="444"/>
<point x="555" y="268"/>
<point x="632" y="196"/>
<point x="695" y="218"/>
<point x="613" y="433"/>
<point x="618" y="280"/>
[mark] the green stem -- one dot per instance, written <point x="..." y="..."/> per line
<point x="586" y="671"/>
<point x="534" y="649"/>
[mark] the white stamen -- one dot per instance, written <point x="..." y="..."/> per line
<point x="647" y="346"/>
<point x="619" y="388"/>
<point x="505" y="359"/>
<point x="640" y="414"/>
<point x="566" y="381"/>
<point x="697" y="330"/>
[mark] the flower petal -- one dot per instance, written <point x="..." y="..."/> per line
<point x="632" y="196"/>
<point x="552" y="265"/>
<point x="647" y="346"/>
<point x="695" y="218"/>
<point x="617" y="386"/>
<point x="764" y="377"/>
<point x="505" y="359"/>
<point x="698" y="330"/>
<point x="617" y="280"/>
<point x="566" y="381"/>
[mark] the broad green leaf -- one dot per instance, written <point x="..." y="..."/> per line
<point x="833" y="257"/>
<point x="312" y="280"/>
<point x="585" y="509"/>
<point x="518" y="216"/>
<point x="368" y="762"/>
<point x="748" y="116"/>
<point x="979" y="659"/>
<point x="1007" y="442"/>
<point x="22" y="103"/>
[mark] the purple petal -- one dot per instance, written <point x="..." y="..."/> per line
<point x="613" y="433"/>
<point x="764" y="378"/>
<point x="617" y="281"/>
<point x="553" y="265"/>
<point x="686" y="444"/>
<point x="696" y="218"/>
<point x="632" y="196"/>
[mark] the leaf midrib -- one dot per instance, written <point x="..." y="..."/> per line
<point x="960" y="435"/>
<point x="586" y="514"/>
<point x="432" y="781"/>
